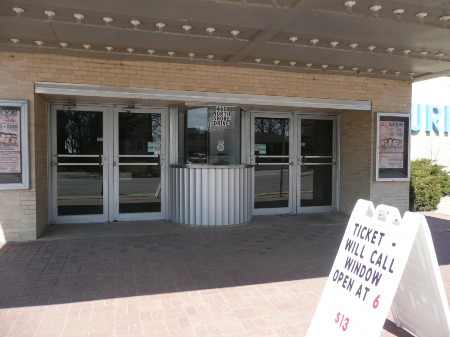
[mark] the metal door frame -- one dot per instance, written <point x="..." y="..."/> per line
<point x="292" y="194"/>
<point x="336" y="164"/>
<point x="116" y="216"/>
<point x="53" y="164"/>
<point x="110" y="172"/>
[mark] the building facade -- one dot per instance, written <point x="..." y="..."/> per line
<point x="430" y="124"/>
<point x="307" y="141"/>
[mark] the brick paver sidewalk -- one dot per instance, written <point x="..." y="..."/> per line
<point x="237" y="282"/>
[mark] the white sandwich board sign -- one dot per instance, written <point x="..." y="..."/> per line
<point x="380" y="253"/>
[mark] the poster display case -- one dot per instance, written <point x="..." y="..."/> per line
<point x="14" y="148"/>
<point x="393" y="147"/>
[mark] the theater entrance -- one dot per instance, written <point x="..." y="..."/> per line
<point x="107" y="163"/>
<point x="296" y="163"/>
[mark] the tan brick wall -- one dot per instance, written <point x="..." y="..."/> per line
<point x="356" y="154"/>
<point x="23" y="214"/>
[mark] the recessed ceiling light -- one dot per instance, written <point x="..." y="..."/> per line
<point x="63" y="44"/>
<point x="171" y="53"/>
<point x="50" y="14"/>
<point x="371" y="48"/>
<point x="423" y="53"/>
<point x="15" y="41"/>
<point x="210" y="31"/>
<point x="191" y="55"/>
<point x="235" y="33"/>
<point x="421" y="16"/>
<point x="210" y="57"/>
<point x="18" y="11"/>
<point x="276" y="62"/>
<point x="384" y="71"/>
<point x="130" y="50"/>
<point x="353" y="46"/>
<point x="79" y="17"/>
<point x="340" y="67"/>
<point x="308" y="65"/>
<point x="369" y="70"/>
<point x="293" y="39"/>
<point x="258" y="60"/>
<point x="397" y="73"/>
<point x="160" y="26"/>
<point x="292" y="63"/>
<point x="440" y="55"/>
<point x="108" y="20"/>
<point x="375" y="9"/>
<point x="333" y="44"/>
<point x="151" y="51"/>
<point x="109" y="49"/>
<point x="314" y="42"/>
<point x="324" y="66"/>
<point x="135" y="23"/>
<point x="349" y="5"/>
<point x="444" y="19"/>
<point x="355" y="69"/>
<point x="406" y="52"/>
<point x="390" y="50"/>
<point x="87" y="46"/>
<point x="39" y="43"/>
<point x="186" y="28"/>
<point x="411" y="74"/>
<point x="398" y="13"/>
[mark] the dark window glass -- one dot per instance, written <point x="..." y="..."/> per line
<point x="210" y="135"/>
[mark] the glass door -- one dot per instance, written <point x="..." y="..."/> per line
<point x="79" y="168"/>
<point x="137" y="164"/>
<point x="317" y="164"/>
<point x="271" y="138"/>
<point x="107" y="163"/>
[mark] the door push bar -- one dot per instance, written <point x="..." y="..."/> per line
<point x="257" y="160"/>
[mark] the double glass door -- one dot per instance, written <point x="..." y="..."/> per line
<point x="106" y="163"/>
<point x="295" y="158"/>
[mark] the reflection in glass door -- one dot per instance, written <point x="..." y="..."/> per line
<point x="318" y="163"/>
<point x="271" y="157"/>
<point x="106" y="164"/>
<point x="78" y="165"/>
<point x="137" y="165"/>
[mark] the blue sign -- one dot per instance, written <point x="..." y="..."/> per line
<point x="432" y="117"/>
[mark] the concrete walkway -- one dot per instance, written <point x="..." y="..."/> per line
<point x="160" y="279"/>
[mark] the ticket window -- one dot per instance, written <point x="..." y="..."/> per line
<point x="209" y="135"/>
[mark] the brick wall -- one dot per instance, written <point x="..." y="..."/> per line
<point x="23" y="214"/>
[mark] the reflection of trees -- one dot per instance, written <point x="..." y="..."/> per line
<point x="136" y="130"/>
<point x="274" y="132"/>
<point x="277" y="126"/>
<point x="145" y="124"/>
<point x="78" y="132"/>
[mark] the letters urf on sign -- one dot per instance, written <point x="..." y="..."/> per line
<point x="367" y="271"/>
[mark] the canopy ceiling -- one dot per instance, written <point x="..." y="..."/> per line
<point x="363" y="37"/>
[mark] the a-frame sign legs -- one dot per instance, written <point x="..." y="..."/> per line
<point x="380" y="253"/>
<point x="420" y="304"/>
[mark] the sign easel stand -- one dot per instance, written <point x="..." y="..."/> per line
<point x="384" y="262"/>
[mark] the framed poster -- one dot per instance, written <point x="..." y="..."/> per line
<point x="14" y="149"/>
<point x="393" y="146"/>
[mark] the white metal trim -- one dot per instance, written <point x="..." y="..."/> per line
<point x="164" y="174"/>
<point x="24" y="146"/>
<point x="335" y="174"/>
<point x="292" y="193"/>
<point x="175" y="96"/>
<point x="377" y="142"/>
<point x="53" y="201"/>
